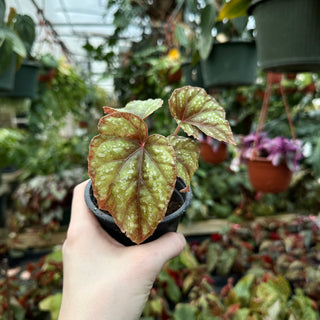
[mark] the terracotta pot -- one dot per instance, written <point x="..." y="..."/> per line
<point x="214" y="157"/>
<point x="267" y="178"/>
<point x="47" y="76"/>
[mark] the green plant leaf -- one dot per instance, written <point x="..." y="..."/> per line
<point x="171" y="288"/>
<point x="187" y="153"/>
<point x="185" y="311"/>
<point x="133" y="175"/>
<point x="26" y="29"/>
<point x="141" y="108"/>
<point x="194" y="109"/>
<point x="52" y="303"/>
<point x="243" y="288"/>
<point x="234" y="9"/>
<point x="15" y="42"/>
<point x="208" y="17"/>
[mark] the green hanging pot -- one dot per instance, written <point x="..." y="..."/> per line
<point x="287" y="37"/>
<point x="192" y="75"/>
<point x="7" y="76"/>
<point x="230" y="64"/>
<point x="25" y="81"/>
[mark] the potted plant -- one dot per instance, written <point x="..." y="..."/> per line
<point x="212" y="151"/>
<point x="48" y="68"/>
<point x="11" y="48"/>
<point x="228" y="58"/>
<point x="287" y="37"/>
<point x="271" y="161"/>
<point x="26" y="77"/>
<point x="134" y="176"/>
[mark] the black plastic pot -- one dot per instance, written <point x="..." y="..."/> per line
<point x="287" y="34"/>
<point x="169" y="223"/>
<point x="230" y="64"/>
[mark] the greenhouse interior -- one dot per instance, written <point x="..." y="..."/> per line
<point x="126" y="123"/>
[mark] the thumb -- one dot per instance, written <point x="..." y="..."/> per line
<point x="166" y="247"/>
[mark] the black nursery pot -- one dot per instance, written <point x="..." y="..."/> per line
<point x="169" y="223"/>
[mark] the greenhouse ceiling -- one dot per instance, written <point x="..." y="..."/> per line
<point x="64" y="26"/>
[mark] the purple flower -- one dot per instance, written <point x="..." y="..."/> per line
<point x="278" y="150"/>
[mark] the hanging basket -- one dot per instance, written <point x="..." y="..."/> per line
<point x="209" y="155"/>
<point x="230" y="64"/>
<point x="287" y="34"/>
<point x="267" y="178"/>
<point x="7" y="77"/>
<point x="25" y="81"/>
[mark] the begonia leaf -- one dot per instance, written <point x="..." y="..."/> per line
<point x="133" y="175"/>
<point x="187" y="153"/>
<point x="141" y="108"/>
<point x="195" y="110"/>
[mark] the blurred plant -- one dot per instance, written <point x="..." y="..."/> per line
<point x="10" y="146"/>
<point x="45" y="201"/>
<point x="29" y="285"/>
<point x="269" y="268"/>
<point x="56" y="99"/>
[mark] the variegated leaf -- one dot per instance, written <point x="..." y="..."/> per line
<point x="187" y="153"/>
<point x="133" y="175"/>
<point x="141" y="108"/>
<point x="195" y="110"/>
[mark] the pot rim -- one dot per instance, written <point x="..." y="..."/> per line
<point x="172" y="216"/>
<point x="253" y="4"/>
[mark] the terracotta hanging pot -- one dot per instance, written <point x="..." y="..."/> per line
<point x="210" y="155"/>
<point x="267" y="178"/>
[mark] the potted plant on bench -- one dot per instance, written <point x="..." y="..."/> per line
<point x="135" y="177"/>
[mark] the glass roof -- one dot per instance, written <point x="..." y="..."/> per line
<point x="73" y="22"/>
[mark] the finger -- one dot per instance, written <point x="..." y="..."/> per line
<point x="80" y="211"/>
<point x="166" y="247"/>
<point x="82" y="219"/>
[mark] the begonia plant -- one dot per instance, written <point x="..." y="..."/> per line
<point x="134" y="174"/>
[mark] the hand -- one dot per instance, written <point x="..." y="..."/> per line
<point x="103" y="279"/>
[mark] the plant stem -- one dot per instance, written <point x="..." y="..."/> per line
<point x="176" y="131"/>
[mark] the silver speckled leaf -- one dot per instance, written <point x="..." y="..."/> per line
<point x="141" y="108"/>
<point x="195" y="110"/>
<point x="133" y="175"/>
<point x="187" y="152"/>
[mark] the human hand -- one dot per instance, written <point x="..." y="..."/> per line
<point x="102" y="279"/>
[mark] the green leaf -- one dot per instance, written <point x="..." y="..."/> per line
<point x="26" y="29"/>
<point x="208" y="16"/>
<point x="187" y="153"/>
<point x="195" y="110"/>
<point x="133" y="175"/>
<point x="188" y="259"/>
<point x="13" y="39"/>
<point x="214" y="251"/>
<point x="141" y="108"/>
<point x="171" y="288"/>
<point x="185" y="311"/>
<point x="234" y="9"/>
<point x="243" y="287"/>
<point x="52" y="304"/>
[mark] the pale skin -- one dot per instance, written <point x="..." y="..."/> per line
<point x="102" y="279"/>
